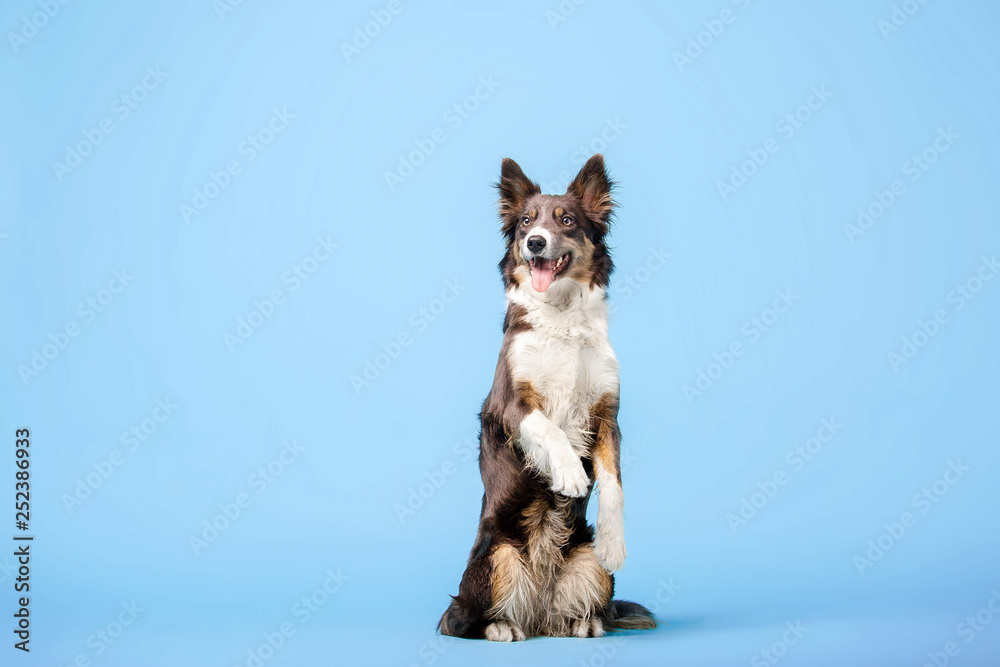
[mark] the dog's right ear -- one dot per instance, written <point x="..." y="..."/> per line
<point x="515" y="188"/>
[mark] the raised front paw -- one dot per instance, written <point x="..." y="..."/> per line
<point x="610" y="551"/>
<point x="568" y="476"/>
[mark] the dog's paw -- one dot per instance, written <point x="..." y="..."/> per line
<point x="568" y="476"/>
<point x="610" y="552"/>
<point x="592" y="627"/>
<point x="502" y="631"/>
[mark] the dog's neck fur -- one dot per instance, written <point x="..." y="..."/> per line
<point x="567" y="309"/>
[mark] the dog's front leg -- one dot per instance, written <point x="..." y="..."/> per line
<point x="609" y="543"/>
<point x="549" y="451"/>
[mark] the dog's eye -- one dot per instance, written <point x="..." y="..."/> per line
<point x="567" y="220"/>
<point x="525" y="221"/>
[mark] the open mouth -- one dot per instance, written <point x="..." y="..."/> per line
<point x="544" y="271"/>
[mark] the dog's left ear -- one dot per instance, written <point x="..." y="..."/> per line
<point x="593" y="188"/>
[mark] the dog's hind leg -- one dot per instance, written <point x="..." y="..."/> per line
<point x="581" y="596"/>
<point x="514" y="594"/>
<point x="466" y="615"/>
<point x="496" y="598"/>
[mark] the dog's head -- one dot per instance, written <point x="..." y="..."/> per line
<point x="553" y="238"/>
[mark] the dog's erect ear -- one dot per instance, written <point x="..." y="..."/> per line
<point x="593" y="188"/>
<point x="515" y="188"/>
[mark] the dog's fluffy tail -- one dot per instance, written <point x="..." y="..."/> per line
<point x="460" y="620"/>
<point x="631" y="616"/>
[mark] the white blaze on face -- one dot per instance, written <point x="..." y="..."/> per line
<point x="543" y="271"/>
<point x="536" y="231"/>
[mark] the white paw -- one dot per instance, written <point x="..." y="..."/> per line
<point x="568" y="476"/>
<point x="610" y="552"/>
<point x="502" y="631"/>
<point x="592" y="627"/>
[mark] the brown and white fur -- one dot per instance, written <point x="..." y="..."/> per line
<point x="549" y="429"/>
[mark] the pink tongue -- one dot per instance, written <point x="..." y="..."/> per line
<point x="542" y="274"/>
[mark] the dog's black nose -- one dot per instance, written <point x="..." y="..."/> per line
<point x="536" y="243"/>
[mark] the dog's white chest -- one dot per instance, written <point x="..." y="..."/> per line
<point x="568" y="359"/>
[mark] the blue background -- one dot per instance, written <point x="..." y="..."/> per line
<point x="385" y="492"/>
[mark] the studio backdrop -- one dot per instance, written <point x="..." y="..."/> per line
<point x="251" y="309"/>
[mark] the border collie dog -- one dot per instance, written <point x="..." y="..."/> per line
<point x="549" y="429"/>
